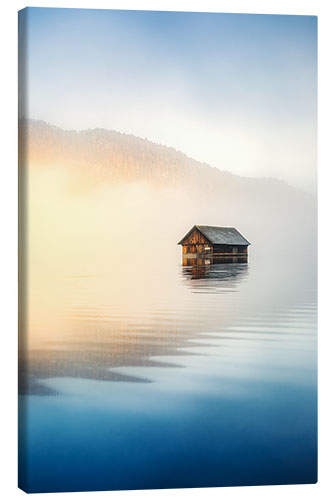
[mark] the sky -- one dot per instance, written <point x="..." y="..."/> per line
<point x="236" y="91"/>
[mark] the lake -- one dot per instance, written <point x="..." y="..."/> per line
<point x="155" y="375"/>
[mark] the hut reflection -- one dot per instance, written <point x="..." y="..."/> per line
<point x="220" y="272"/>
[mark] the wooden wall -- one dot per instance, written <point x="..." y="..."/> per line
<point x="230" y="249"/>
<point x="195" y="243"/>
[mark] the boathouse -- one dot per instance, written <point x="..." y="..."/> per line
<point x="213" y="241"/>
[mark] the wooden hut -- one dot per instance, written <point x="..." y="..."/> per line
<point x="204" y="242"/>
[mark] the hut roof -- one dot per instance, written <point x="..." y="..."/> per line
<point x="220" y="235"/>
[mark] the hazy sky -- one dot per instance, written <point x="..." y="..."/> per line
<point x="236" y="91"/>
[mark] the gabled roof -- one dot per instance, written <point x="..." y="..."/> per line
<point x="219" y="235"/>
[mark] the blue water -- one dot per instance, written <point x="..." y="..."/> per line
<point x="210" y="382"/>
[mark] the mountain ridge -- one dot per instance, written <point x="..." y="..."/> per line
<point x="182" y="191"/>
<point x="122" y="155"/>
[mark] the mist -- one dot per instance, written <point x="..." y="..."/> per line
<point x="114" y="206"/>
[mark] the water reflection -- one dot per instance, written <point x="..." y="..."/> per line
<point x="211" y="260"/>
<point x="96" y="347"/>
<point x="101" y="339"/>
<point x="144" y="381"/>
<point x="228" y="271"/>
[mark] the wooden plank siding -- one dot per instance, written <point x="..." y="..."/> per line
<point x="197" y="245"/>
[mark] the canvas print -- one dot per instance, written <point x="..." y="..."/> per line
<point x="167" y="250"/>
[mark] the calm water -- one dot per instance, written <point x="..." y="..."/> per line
<point x="159" y="376"/>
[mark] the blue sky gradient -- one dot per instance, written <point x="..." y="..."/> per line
<point x="236" y="91"/>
